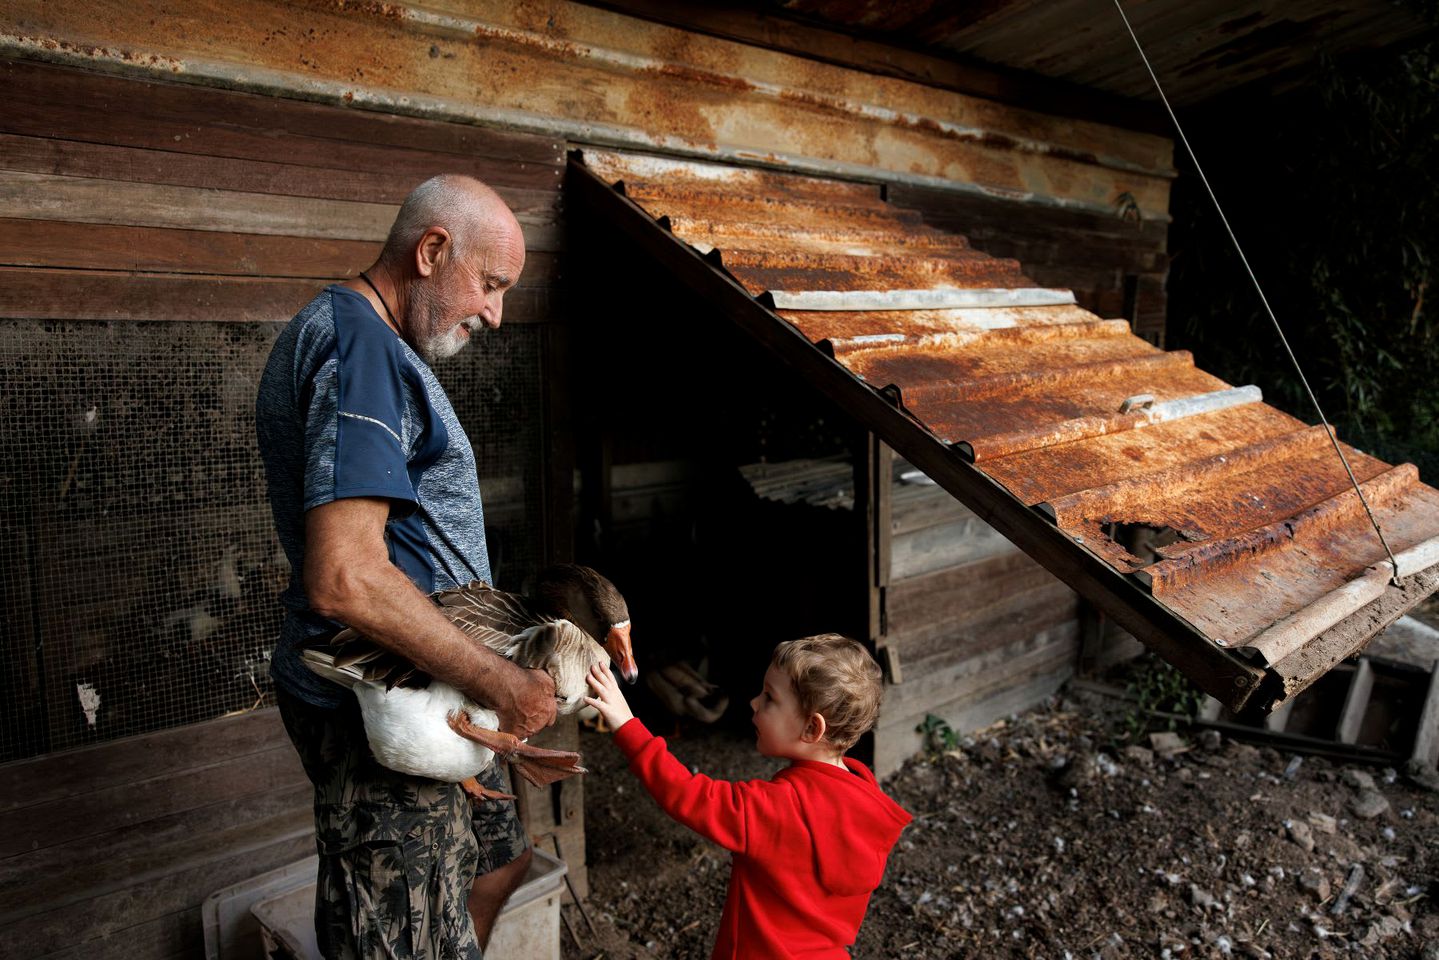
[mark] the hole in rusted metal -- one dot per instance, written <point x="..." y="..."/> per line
<point x="1142" y="540"/>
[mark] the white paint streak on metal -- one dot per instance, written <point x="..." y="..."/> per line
<point x="1203" y="403"/>
<point x="1085" y="428"/>
<point x="933" y="299"/>
<point x="1418" y="558"/>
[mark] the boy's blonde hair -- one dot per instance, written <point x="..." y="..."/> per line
<point x="836" y="678"/>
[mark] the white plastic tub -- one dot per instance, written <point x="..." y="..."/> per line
<point x="528" y="927"/>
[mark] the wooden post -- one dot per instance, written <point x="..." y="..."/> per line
<point x="1426" y="737"/>
<point x="873" y="499"/>
<point x="1356" y="702"/>
<point x="558" y="810"/>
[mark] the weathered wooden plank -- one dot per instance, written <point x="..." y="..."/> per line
<point x="174" y="936"/>
<point x="75" y="158"/>
<point x="556" y="812"/>
<point x="93" y="866"/>
<point x="37" y="294"/>
<point x="100" y="246"/>
<point x="970" y="681"/>
<point x="1426" y="733"/>
<point x="101" y="813"/>
<point x="43" y="100"/>
<point x="1010" y="618"/>
<point x="169" y="752"/>
<point x="1356" y="703"/>
<point x="966" y="678"/>
<point x="103" y="246"/>
<point x="931" y="611"/>
<point x="917" y="506"/>
<point x="262" y="847"/>
<point x="35" y="196"/>
<point x="945" y="545"/>
<point x="897" y="739"/>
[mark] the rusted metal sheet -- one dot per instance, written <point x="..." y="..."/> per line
<point x="1200" y="48"/>
<point x="594" y="76"/>
<point x="1236" y="522"/>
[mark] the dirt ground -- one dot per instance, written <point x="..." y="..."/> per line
<point x="1047" y="835"/>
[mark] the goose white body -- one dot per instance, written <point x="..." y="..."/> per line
<point x="408" y="728"/>
<point x="409" y="731"/>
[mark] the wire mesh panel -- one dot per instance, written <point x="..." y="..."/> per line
<point x="496" y="387"/>
<point x="144" y="572"/>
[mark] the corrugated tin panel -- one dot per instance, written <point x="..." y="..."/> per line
<point x="1244" y="553"/>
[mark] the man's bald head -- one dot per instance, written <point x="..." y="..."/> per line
<point x="469" y="211"/>
<point x="454" y="251"/>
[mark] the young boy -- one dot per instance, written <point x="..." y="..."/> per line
<point x="810" y="845"/>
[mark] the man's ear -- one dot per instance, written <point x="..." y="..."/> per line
<point x="814" y="729"/>
<point x="431" y="251"/>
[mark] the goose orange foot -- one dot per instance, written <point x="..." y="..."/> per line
<point x="539" y="766"/>
<point x="479" y="792"/>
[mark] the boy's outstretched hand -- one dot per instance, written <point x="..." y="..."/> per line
<point x="608" y="699"/>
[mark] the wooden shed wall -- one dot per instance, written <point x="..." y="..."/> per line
<point x="978" y="629"/>
<point x="130" y="203"/>
<point x="109" y="851"/>
<point x="172" y="230"/>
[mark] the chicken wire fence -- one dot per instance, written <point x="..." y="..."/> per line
<point x="142" y="589"/>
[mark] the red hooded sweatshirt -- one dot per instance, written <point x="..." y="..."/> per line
<point x="809" y="847"/>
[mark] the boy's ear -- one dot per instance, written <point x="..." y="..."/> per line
<point x="814" y="729"/>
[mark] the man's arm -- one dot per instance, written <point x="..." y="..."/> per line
<point x="349" y="577"/>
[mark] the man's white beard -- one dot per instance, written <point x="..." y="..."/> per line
<point x="434" y="309"/>
<point x="444" y="345"/>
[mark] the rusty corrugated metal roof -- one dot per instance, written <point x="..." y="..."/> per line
<point x="1221" y="531"/>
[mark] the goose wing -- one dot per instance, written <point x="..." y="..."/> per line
<point x="353" y="655"/>
<point x="486" y="615"/>
<point x="489" y="616"/>
<point x="566" y="653"/>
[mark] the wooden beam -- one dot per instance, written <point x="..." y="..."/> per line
<point x="1426" y="735"/>
<point x="34" y="294"/>
<point x="122" y="247"/>
<point x="1356" y="702"/>
<point x="277" y="177"/>
<point x="33" y="196"/>
<point x="43" y="100"/>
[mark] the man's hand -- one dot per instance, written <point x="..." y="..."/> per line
<point x="531" y="705"/>
<point x="608" y="699"/>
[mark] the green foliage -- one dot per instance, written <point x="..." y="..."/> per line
<point x="1158" y="688"/>
<point x="1332" y="194"/>
<point x="939" y="736"/>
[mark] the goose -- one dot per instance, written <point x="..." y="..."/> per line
<point x="425" y="727"/>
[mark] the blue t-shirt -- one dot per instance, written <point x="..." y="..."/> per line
<point x="347" y="409"/>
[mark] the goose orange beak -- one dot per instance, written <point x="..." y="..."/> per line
<point x="617" y="645"/>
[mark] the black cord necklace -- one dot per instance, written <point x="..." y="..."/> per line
<point x="388" y="311"/>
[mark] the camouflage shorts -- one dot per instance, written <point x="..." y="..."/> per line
<point x="397" y="853"/>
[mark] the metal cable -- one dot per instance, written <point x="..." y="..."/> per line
<point x="1333" y="438"/>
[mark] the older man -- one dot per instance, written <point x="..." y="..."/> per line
<point x="377" y="504"/>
